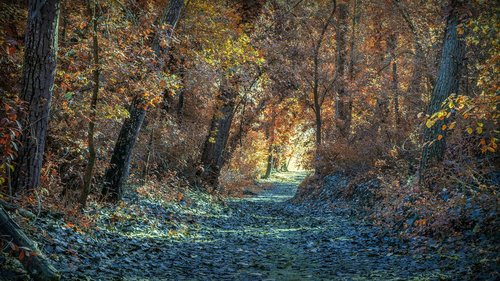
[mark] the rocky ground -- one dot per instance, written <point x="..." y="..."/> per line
<point x="263" y="237"/>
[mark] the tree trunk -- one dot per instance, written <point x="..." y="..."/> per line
<point x="352" y="60"/>
<point x="149" y="152"/>
<point x="181" y="99"/>
<point x="35" y="262"/>
<point x="317" y="101"/>
<point x="212" y="157"/>
<point x="447" y="83"/>
<point x="244" y="127"/>
<point x="317" y="114"/>
<point x="418" y="59"/>
<point x="117" y="173"/>
<point x="38" y="84"/>
<point x="382" y="106"/>
<point x="87" y="180"/>
<point x="270" y="139"/>
<point x="269" y="167"/>
<point x="214" y="152"/>
<point x="343" y="101"/>
<point x="392" y="43"/>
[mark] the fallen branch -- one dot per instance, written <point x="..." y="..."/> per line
<point x="30" y="256"/>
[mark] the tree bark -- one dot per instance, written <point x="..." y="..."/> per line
<point x="392" y="43"/>
<point x="117" y="174"/>
<point x="382" y="106"/>
<point x="343" y="101"/>
<point x="418" y="59"/>
<point x="87" y="180"/>
<point x="214" y="152"/>
<point x="270" y="139"/>
<point x="36" y="263"/>
<point x="212" y="157"/>
<point x="149" y="152"/>
<point x="38" y="85"/>
<point x="317" y="102"/>
<point x="447" y="83"/>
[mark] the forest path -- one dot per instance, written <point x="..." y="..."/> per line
<point x="264" y="237"/>
<point x="267" y="238"/>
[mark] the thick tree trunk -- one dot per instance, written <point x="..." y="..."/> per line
<point x="35" y="262"/>
<point x="343" y="102"/>
<point x="117" y="173"/>
<point x="87" y="180"/>
<point x="447" y="83"/>
<point x="214" y="148"/>
<point x="38" y="84"/>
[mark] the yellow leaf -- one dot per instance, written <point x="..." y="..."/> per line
<point x="430" y="123"/>
<point x="440" y="137"/>
<point x="469" y="130"/>
<point x="452" y="125"/>
<point x="479" y="130"/>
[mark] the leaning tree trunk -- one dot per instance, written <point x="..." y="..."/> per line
<point x="214" y="152"/>
<point x="38" y="84"/>
<point x="117" y="174"/>
<point x="33" y="260"/>
<point x="214" y="148"/>
<point x="447" y="83"/>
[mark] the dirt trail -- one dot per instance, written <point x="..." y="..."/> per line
<point x="259" y="238"/>
<point x="267" y="238"/>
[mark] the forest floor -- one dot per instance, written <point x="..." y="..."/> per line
<point x="263" y="237"/>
